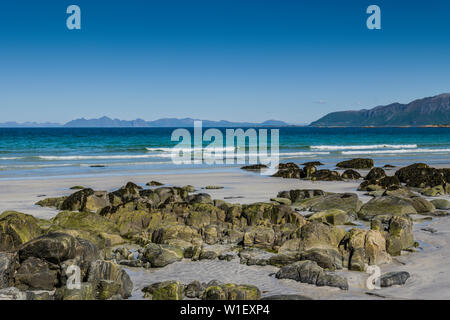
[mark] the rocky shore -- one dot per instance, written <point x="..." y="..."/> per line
<point x="312" y="237"/>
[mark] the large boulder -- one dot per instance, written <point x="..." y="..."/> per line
<point x="87" y="291"/>
<point x="309" y="272"/>
<point x="53" y="247"/>
<point x="351" y="174"/>
<point x="386" y="205"/>
<point x="329" y="259"/>
<point x="347" y="202"/>
<point x="289" y="170"/>
<point x="87" y="225"/>
<point x="325" y="175"/>
<point x="37" y="274"/>
<point x="166" y="290"/>
<point x="331" y="216"/>
<point x="77" y="201"/>
<point x="231" y="291"/>
<point x="358" y="163"/>
<point x="17" y="228"/>
<point x="441" y="204"/>
<point x="420" y="175"/>
<point x="422" y="205"/>
<point x="375" y="174"/>
<point x="106" y="270"/>
<point x="400" y="235"/>
<point x="365" y="247"/>
<point x="162" y="255"/>
<point x="319" y="235"/>
<point x="388" y="182"/>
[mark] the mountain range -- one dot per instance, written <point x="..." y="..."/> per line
<point x="430" y="111"/>
<point x="105" y="122"/>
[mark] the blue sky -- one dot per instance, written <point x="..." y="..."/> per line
<point x="248" y="60"/>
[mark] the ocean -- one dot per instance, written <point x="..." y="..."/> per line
<point x="60" y="152"/>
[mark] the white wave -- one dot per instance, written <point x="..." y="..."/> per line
<point x="365" y="147"/>
<point x="219" y="149"/>
<point x="397" y="151"/>
<point x="11" y="158"/>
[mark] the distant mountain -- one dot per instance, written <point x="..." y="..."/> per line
<point x="422" y="112"/>
<point x="13" y="124"/>
<point x="105" y="122"/>
<point x="165" y="122"/>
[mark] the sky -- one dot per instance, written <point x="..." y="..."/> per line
<point x="246" y="60"/>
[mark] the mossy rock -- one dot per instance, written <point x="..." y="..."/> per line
<point x="87" y="225"/>
<point x="386" y="205"/>
<point x="331" y="216"/>
<point x="51" y="202"/>
<point x="166" y="290"/>
<point x="17" y="228"/>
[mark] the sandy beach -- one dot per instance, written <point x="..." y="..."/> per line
<point x="428" y="266"/>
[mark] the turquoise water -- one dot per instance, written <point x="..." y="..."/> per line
<point x="44" y="152"/>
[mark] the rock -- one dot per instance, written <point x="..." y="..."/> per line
<point x="386" y="205"/>
<point x="365" y="247"/>
<point x="347" y="202"/>
<point x="358" y="163"/>
<point x="394" y="278"/>
<point x="17" y="228"/>
<point x="7" y="267"/>
<point x="325" y="175"/>
<point x="189" y="188"/>
<point x="289" y="170"/>
<point x="107" y="289"/>
<point x="388" y="182"/>
<point x="422" y="205"/>
<point x="77" y="200"/>
<point x="86" y="292"/>
<point x="200" y="198"/>
<point x="441" y="204"/>
<point x="154" y="184"/>
<point x="375" y="174"/>
<point x="308" y="171"/>
<point x="51" y="202"/>
<point x="420" y="175"/>
<point x="37" y="274"/>
<point x="254" y="256"/>
<point x="231" y="291"/>
<point x="208" y="255"/>
<point x="351" y="174"/>
<point x="127" y="193"/>
<point x="77" y="188"/>
<point x="107" y="270"/>
<point x="162" y="255"/>
<point x="194" y="290"/>
<point x="287" y="297"/>
<point x="299" y="195"/>
<point x="433" y="191"/>
<point x="319" y="235"/>
<point x="259" y="236"/>
<point x="282" y="259"/>
<point x="166" y="290"/>
<point x="313" y="163"/>
<point x="53" y="247"/>
<point x="87" y="225"/>
<point x="254" y="167"/>
<point x="398" y="191"/>
<point x="213" y="187"/>
<point x="284" y="201"/>
<point x="309" y="272"/>
<point x="326" y="258"/>
<point x="331" y="216"/>
<point x="400" y="235"/>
